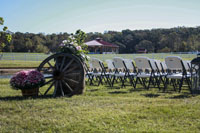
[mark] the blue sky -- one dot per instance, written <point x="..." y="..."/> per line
<point x="54" y="16"/>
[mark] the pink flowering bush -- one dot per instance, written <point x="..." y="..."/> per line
<point x="27" y="80"/>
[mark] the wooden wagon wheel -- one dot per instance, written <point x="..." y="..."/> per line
<point x="64" y="73"/>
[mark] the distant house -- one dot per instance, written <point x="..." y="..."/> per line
<point x="142" y="50"/>
<point x="98" y="46"/>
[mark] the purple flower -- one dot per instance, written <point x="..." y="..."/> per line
<point x="62" y="45"/>
<point x="27" y="79"/>
<point x="78" y="48"/>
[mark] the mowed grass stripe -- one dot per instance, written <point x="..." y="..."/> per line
<point x="34" y="59"/>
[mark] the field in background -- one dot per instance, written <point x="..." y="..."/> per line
<point x="34" y="59"/>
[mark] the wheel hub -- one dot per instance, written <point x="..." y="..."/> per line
<point x="58" y="75"/>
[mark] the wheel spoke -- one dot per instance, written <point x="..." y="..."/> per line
<point x="71" y="69"/>
<point x="69" y="74"/>
<point x="68" y="65"/>
<point x="49" y="88"/>
<point x="47" y="82"/>
<point x="61" y="87"/>
<point x="63" y="61"/>
<point x="50" y="65"/>
<point x="72" y="80"/>
<point x="56" y="63"/>
<point x="65" y="83"/>
<point x="56" y="87"/>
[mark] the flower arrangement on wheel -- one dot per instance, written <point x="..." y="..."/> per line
<point x="75" y="45"/>
<point x="27" y="81"/>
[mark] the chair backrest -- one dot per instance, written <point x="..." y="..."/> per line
<point x="110" y="64"/>
<point x="85" y="66"/>
<point x="164" y="66"/>
<point x="174" y="63"/>
<point x="158" y="64"/>
<point x="90" y="65"/>
<point x="187" y="67"/>
<point x="129" y="64"/>
<point x="153" y="64"/>
<point x="142" y="63"/>
<point x="118" y="63"/>
<point x="96" y="63"/>
<point x="189" y="63"/>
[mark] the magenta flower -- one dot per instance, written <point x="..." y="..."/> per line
<point x="27" y="79"/>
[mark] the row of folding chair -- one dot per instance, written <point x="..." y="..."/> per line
<point x="173" y="71"/>
<point x="145" y="71"/>
<point x="116" y="70"/>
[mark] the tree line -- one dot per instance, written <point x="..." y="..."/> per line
<point x="179" y="39"/>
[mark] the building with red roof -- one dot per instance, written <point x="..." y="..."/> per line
<point x="98" y="46"/>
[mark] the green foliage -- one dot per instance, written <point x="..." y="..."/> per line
<point x="1" y="21"/>
<point x="165" y="50"/>
<point x="146" y="44"/>
<point x="75" y="45"/>
<point x="180" y="39"/>
<point x="4" y="37"/>
<point x="41" y="48"/>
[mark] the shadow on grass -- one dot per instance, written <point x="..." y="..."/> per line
<point x="92" y="90"/>
<point x="182" y="96"/>
<point x="114" y="87"/>
<point x="117" y="92"/>
<point x="137" y="89"/>
<point x="151" y="95"/>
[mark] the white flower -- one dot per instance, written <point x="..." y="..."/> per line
<point x="64" y="41"/>
<point x="78" y="48"/>
<point x="71" y="37"/>
<point x="72" y="43"/>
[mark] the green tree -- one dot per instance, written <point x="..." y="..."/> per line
<point x="41" y="49"/>
<point x="145" y="44"/>
<point x="4" y="37"/>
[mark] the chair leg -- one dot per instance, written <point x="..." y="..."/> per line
<point x="174" y="84"/>
<point x="92" y="80"/>
<point x="108" y="80"/>
<point x="113" y="80"/>
<point x="100" y="80"/>
<point x="189" y="84"/>
<point x="180" y="85"/>
<point x="165" y="84"/>
<point x="144" y="84"/>
<point x="136" y="82"/>
<point x="122" y="80"/>
<point x="132" y="81"/>
<point x="157" y="82"/>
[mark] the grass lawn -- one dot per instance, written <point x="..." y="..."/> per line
<point x="29" y="63"/>
<point x="100" y="109"/>
<point x="19" y="63"/>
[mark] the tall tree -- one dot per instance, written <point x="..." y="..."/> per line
<point x="4" y="37"/>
